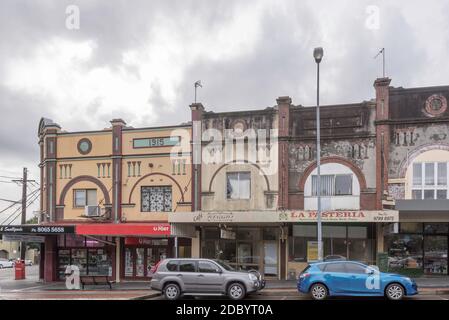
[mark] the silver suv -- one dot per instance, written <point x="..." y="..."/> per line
<point x="201" y="277"/>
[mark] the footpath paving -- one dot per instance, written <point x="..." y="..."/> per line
<point x="30" y="289"/>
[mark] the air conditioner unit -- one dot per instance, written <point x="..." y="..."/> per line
<point x="92" y="211"/>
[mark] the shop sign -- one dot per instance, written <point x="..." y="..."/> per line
<point x="125" y="229"/>
<point x="346" y="216"/>
<point x="285" y="216"/>
<point x="19" y="229"/>
<point x="312" y="251"/>
<point x="136" y="241"/>
<point x="227" y="234"/>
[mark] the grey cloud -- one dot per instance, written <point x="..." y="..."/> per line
<point x="280" y="63"/>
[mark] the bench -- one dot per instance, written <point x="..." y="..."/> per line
<point x="96" y="280"/>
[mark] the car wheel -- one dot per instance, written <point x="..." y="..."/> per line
<point x="394" y="291"/>
<point x="318" y="291"/>
<point x="236" y="291"/>
<point x="1" y="266"/>
<point x="172" y="291"/>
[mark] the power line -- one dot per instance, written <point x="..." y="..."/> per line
<point x="3" y="181"/>
<point x="17" y="212"/>
<point x="8" y="177"/>
<point x="9" y="206"/>
<point x="29" y="204"/>
<point x="7" y="200"/>
<point x="28" y="197"/>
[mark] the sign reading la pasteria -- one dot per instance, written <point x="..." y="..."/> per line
<point x="346" y="216"/>
<point x="284" y="216"/>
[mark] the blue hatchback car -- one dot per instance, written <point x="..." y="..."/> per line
<point x="350" y="278"/>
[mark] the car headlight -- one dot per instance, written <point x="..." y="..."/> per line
<point x="408" y="279"/>
<point x="252" y="277"/>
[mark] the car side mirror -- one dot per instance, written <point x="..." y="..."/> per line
<point x="371" y="271"/>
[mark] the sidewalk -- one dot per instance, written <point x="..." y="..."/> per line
<point x="137" y="290"/>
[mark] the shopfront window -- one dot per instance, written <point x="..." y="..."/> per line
<point x="435" y="254"/>
<point x="92" y="257"/>
<point x="141" y="254"/>
<point x="302" y="236"/>
<point x="351" y="242"/>
<point x="418" y="248"/>
<point x="245" y="252"/>
<point x="334" y="241"/>
<point x="405" y="253"/>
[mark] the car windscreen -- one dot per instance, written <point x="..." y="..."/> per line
<point x="224" y="265"/>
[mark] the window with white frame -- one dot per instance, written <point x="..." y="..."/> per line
<point x="332" y="185"/>
<point x="238" y="185"/>
<point x="429" y="180"/>
<point x="85" y="197"/>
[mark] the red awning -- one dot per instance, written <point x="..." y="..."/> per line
<point x="123" y="229"/>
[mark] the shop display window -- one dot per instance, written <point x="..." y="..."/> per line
<point x="405" y="253"/>
<point x="79" y="259"/>
<point x="423" y="250"/>
<point x="129" y="263"/>
<point x="435" y="254"/>
<point x="354" y="242"/>
<point x="441" y="228"/>
<point x="74" y="241"/>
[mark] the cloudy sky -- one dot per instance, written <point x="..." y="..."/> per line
<point x="138" y="60"/>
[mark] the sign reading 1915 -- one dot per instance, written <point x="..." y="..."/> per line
<point x="156" y="142"/>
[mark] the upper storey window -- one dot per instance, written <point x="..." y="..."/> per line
<point x="157" y="198"/>
<point x="430" y="180"/>
<point x="238" y="185"/>
<point x="85" y="197"/>
<point x="332" y="185"/>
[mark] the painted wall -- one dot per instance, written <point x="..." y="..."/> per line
<point x="157" y="168"/>
<point x="214" y="189"/>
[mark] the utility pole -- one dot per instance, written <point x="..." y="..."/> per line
<point x="24" y="181"/>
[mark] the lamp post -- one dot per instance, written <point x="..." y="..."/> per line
<point x="318" y="55"/>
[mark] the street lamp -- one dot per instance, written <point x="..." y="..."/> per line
<point x="318" y="55"/>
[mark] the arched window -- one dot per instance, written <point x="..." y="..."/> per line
<point x="340" y="188"/>
<point x="428" y="176"/>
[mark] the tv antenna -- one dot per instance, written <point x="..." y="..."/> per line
<point x="197" y="84"/>
<point x="382" y="51"/>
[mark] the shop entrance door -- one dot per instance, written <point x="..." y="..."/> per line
<point x="270" y="260"/>
<point x="139" y="260"/>
<point x="153" y="256"/>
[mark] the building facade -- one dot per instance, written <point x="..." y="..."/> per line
<point x="417" y="178"/>
<point x="242" y="187"/>
<point x="107" y="195"/>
